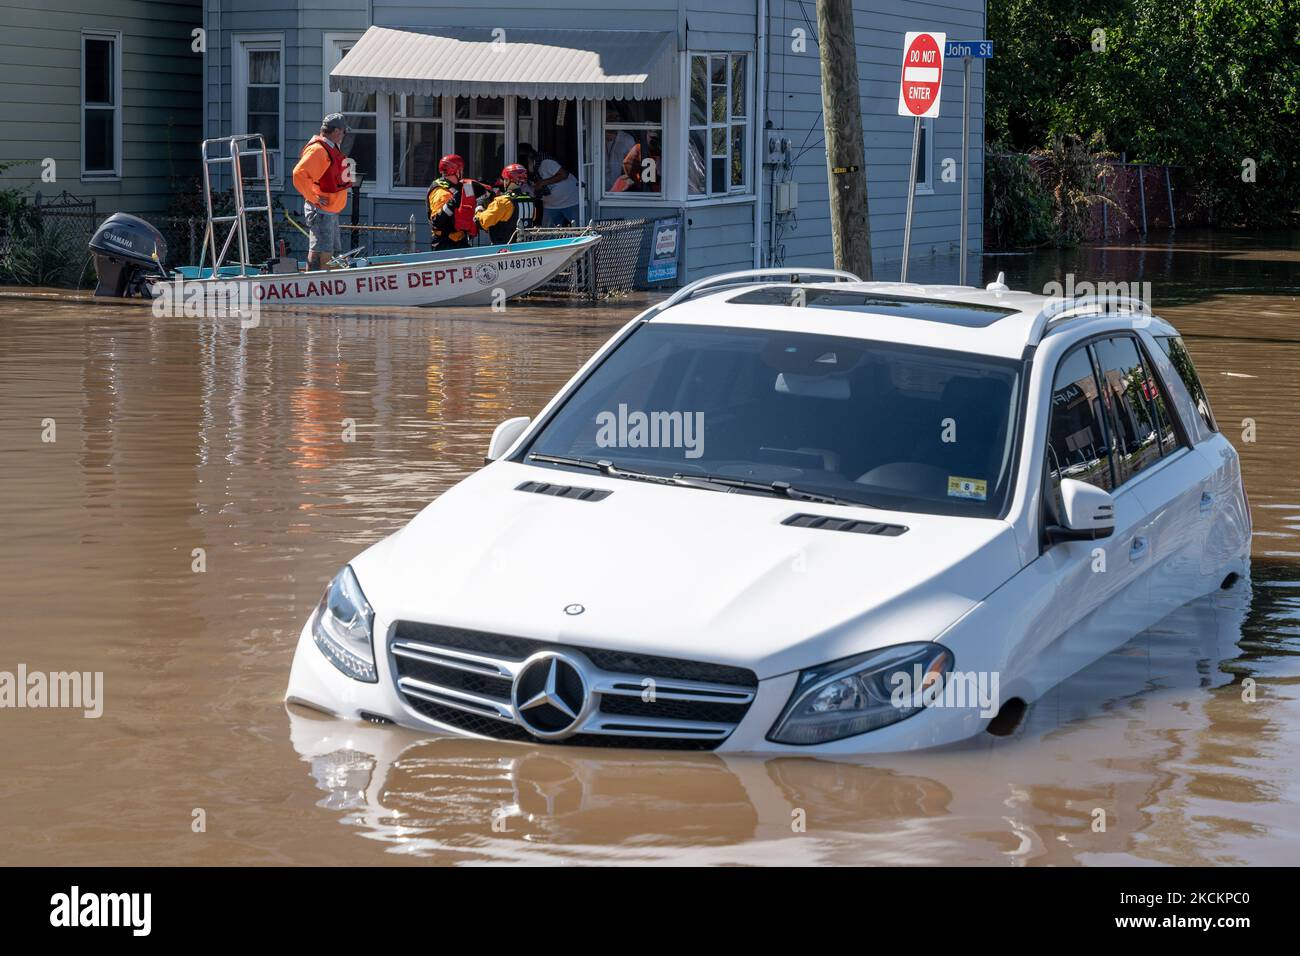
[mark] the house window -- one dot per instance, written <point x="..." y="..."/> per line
<point x="259" y="96"/>
<point x="719" y="124"/>
<point x="925" y="157"/>
<point x="101" y="105"/>
<point x="480" y="134"/>
<point x="359" y="109"/>
<point x="417" y="139"/>
<point x="633" y="150"/>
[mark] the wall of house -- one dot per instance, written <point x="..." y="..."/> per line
<point x="794" y="104"/>
<point x="40" y="112"/>
<point x="719" y="235"/>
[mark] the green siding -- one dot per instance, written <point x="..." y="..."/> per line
<point x="40" y="68"/>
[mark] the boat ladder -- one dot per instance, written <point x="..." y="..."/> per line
<point x="234" y="150"/>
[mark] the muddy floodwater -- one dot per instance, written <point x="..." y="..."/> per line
<point x="174" y="435"/>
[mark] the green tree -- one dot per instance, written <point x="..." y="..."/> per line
<point x="1203" y="84"/>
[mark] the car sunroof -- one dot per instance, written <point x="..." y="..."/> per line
<point x="927" y="310"/>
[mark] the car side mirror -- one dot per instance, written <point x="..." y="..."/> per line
<point x="505" y="435"/>
<point x="1087" y="513"/>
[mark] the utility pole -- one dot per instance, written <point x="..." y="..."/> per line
<point x="846" y="163"/>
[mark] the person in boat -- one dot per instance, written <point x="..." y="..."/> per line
<point x="323" y="178"/>
<point x="511" y="208"/>
<point x="453" y="201"/>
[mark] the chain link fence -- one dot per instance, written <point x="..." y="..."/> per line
<point x="45" y="243"/>
<point x="615" y="266"/>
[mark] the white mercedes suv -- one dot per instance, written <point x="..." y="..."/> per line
<point x="796" y="512"/>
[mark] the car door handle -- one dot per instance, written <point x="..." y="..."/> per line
<point x="1207" y="502"/>
<point x="1138" y="548"/>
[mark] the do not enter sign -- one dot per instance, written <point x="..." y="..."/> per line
<point x="918" y="93"/>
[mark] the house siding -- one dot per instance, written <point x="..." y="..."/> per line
<point x="40" y="68"/>
<point x="718" y="236"/>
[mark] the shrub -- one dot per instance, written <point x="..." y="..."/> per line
<point x="1072" y="170"/>
<point x="1017" y="208"/>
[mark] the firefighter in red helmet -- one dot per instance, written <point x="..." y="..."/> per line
<point x="451" y="200"/>
<point x="512" y="208"/>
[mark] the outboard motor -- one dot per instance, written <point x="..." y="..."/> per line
<point x="126" y="250"/>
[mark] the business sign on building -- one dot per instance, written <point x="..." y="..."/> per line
<point x="663" y="252"/>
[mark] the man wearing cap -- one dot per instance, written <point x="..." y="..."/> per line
<point x="323" y="177"/>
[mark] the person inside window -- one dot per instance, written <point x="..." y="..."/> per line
<point x="553" y="184"/>
<point x="618" y="143"/>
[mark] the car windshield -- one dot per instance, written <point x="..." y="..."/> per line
<point x="872" y="423"/>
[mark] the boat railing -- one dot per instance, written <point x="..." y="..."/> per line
<point x="232" y="150"/>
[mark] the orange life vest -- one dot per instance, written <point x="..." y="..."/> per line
<point x="463" y="196"/>
<point x="335" y="178"/>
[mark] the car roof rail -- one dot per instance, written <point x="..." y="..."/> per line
<point x="1096" y="306"/>
<point x="748" y="277"/>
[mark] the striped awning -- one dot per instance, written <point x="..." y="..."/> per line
<point x="548" y="64"/>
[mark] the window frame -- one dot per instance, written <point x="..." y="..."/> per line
<point x="1104" y="419"/>
<point x="1149" y="367"/>
<point x="925" y="158"/>
<point x="1210" y="426"/>
<point x="101" y="175"/>
<point x="241" y="45"/>
<point x="386" y="160"/>
<point x="332" y="52"/>
<point x="1117" y="486"/>
<point x="746" y="189"/>
<point x="387" y="188"/>
<point x="637" y="198"/>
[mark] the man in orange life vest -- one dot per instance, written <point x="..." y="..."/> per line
<point x="323" y="178"/>
<point x="452" y="203"/>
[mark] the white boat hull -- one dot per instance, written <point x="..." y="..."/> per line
<point x="483" y="275"/>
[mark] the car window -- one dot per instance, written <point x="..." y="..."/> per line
<point x="899" y="427"/>
<point x="1164" y="412"/>
<point x="1127" y="392"/>
<point x="1182" y="361"/>
<point x="1077" y="444"/>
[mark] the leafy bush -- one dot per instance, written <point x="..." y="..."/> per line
<point x="44" y="253"/>
<point x="1017" y="207"/>
<point x="1072" y="170"/>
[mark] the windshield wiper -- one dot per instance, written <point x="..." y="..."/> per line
<point x="716" y="482"/>
<point x="781" y="488"/>
<point x="605" y="467"/>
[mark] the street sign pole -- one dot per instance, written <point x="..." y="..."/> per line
<point x="965" y="162"/>
<point x="911" y="196"/>
<point x="919" y="89"/>
<point x="968" y="50"/>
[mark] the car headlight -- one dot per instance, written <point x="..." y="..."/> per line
<point x="856" y="694"/>
<point x="342" y="628"/>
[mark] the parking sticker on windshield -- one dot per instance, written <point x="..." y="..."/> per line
<point x="972" y="488"/>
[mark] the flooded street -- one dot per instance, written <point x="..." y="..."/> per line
<point x="181" y="443"/>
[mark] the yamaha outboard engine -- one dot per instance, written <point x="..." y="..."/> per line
<point x="126" y="250"/>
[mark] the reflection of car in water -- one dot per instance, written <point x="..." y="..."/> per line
<point x="799" y="517"/>
<point x="453" y="799"/>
